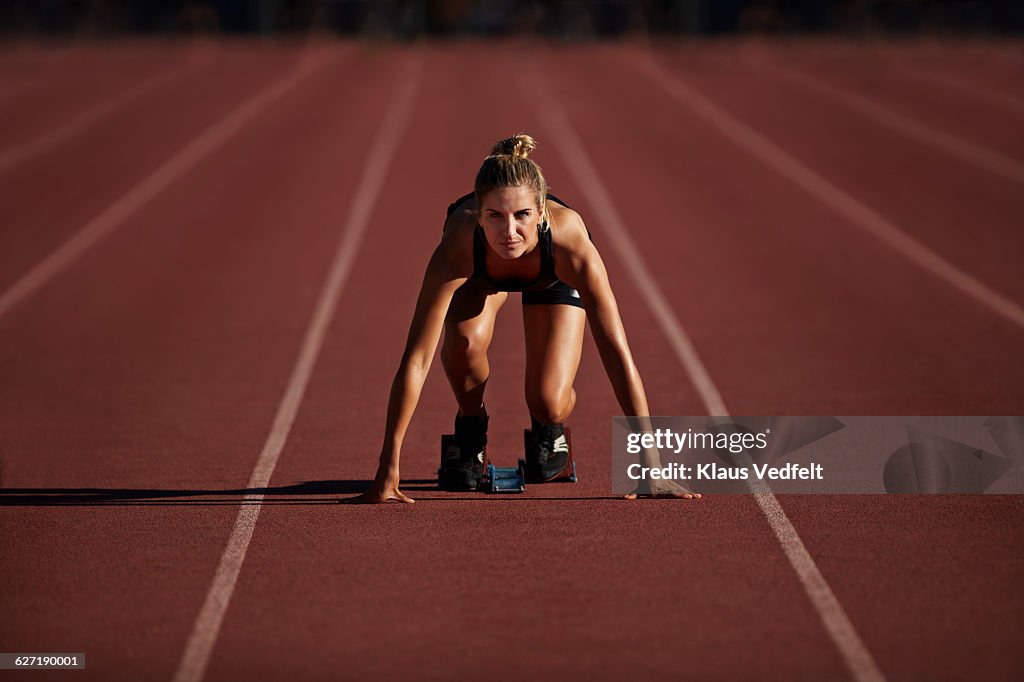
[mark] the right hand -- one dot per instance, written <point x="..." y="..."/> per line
<point x="384" y="489"/>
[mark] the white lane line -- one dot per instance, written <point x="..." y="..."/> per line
<point x="957" y="147"/>
<point x="585" y="175"/>
<point x="1014" y="103"/>
<point x="856" y="212"/>
<point x="199" y="648"/>
<point x="134" y="199"/>
<point x="852" y="649"/>
<point x="12" y="157"/>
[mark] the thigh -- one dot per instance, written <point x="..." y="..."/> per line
<point x="554" y="343"/>
<point x="471" y="315"/>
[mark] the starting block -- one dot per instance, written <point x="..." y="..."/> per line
<point x="505" y="479"/>
<point x="568" y="474"/>
<point x="492" y="480"/>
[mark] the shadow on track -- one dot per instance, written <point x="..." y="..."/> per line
<point x="307" y="493"/>
<point x="299" y="493"/>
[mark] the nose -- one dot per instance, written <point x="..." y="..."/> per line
<point x="510" y="227"/>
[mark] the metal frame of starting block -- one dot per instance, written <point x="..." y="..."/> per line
<point x="505" y="479"/>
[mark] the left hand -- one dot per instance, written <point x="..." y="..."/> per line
<point x="662" y="489"/>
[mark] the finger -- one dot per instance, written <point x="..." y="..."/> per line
<point x="663" y="496"/>
<point x="402" y="497"/>
<point x="369" y="497"/>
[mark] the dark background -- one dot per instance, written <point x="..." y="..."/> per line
<point x="564" y="19"/>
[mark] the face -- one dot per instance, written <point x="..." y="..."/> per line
<point x="509" y="216"/>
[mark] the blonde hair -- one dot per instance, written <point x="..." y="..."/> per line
<point x="509" y="165"/>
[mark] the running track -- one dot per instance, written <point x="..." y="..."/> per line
<point x="208" y="260"/>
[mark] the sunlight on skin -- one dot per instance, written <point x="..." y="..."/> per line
<point x="509" y="217"/>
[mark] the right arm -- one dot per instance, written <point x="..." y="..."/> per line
<point x="445" y="274"/>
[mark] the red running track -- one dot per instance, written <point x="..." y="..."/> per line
<point x="141" y="381"/>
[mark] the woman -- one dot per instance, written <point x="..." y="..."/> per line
<point x="510" y="235"/>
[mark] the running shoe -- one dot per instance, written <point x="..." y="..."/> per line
<point x="547" y="452"/>
<point x="464" y="455"/>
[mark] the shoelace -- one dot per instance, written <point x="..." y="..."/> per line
<point x="548" y="444"/>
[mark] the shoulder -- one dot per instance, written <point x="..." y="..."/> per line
<point x="456" y="247"/>
<point x="467" y="202"/>
<point x="568" y="232"/>
<point x="577" y="261"/>
<point x="461" y="220"/>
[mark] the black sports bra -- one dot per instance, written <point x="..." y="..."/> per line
<point x="545" y="279"/>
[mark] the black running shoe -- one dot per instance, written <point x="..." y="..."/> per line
<point x="547" y="452"/>
<point x="464" y="457"/>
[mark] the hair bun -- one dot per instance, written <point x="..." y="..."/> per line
<point x="518" y="146"/>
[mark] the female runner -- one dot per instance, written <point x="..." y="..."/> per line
<point x="510" y="235"/>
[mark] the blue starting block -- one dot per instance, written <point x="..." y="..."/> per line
<point x="505" y="479"/>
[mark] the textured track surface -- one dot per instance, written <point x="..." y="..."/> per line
<point x="139" y="383"/>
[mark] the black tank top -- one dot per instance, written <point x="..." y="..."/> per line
<point x="547" y="277"/>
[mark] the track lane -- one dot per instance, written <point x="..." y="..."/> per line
<point x="936" y="91"/>
<point x="441" y="588"/>
<point x="34" y="100"/>
<point x="205" y="632"/>
<point x="974" y="227"/>
<point x="23" y="65"/>
<point x="757" y="353"/>
<point x="148" y="380"/>
<point x="328" y="590"/>
<point x="795" y="294"/>
<point x="100" y="166"/>
<point x="932" y="581"/>
<point x="857" y="659"/>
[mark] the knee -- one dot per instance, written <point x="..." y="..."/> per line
<point x="464" y="346"/>
<point x="551" y="405"/>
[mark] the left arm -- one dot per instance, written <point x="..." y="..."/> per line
<point x="578" y="264"/>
